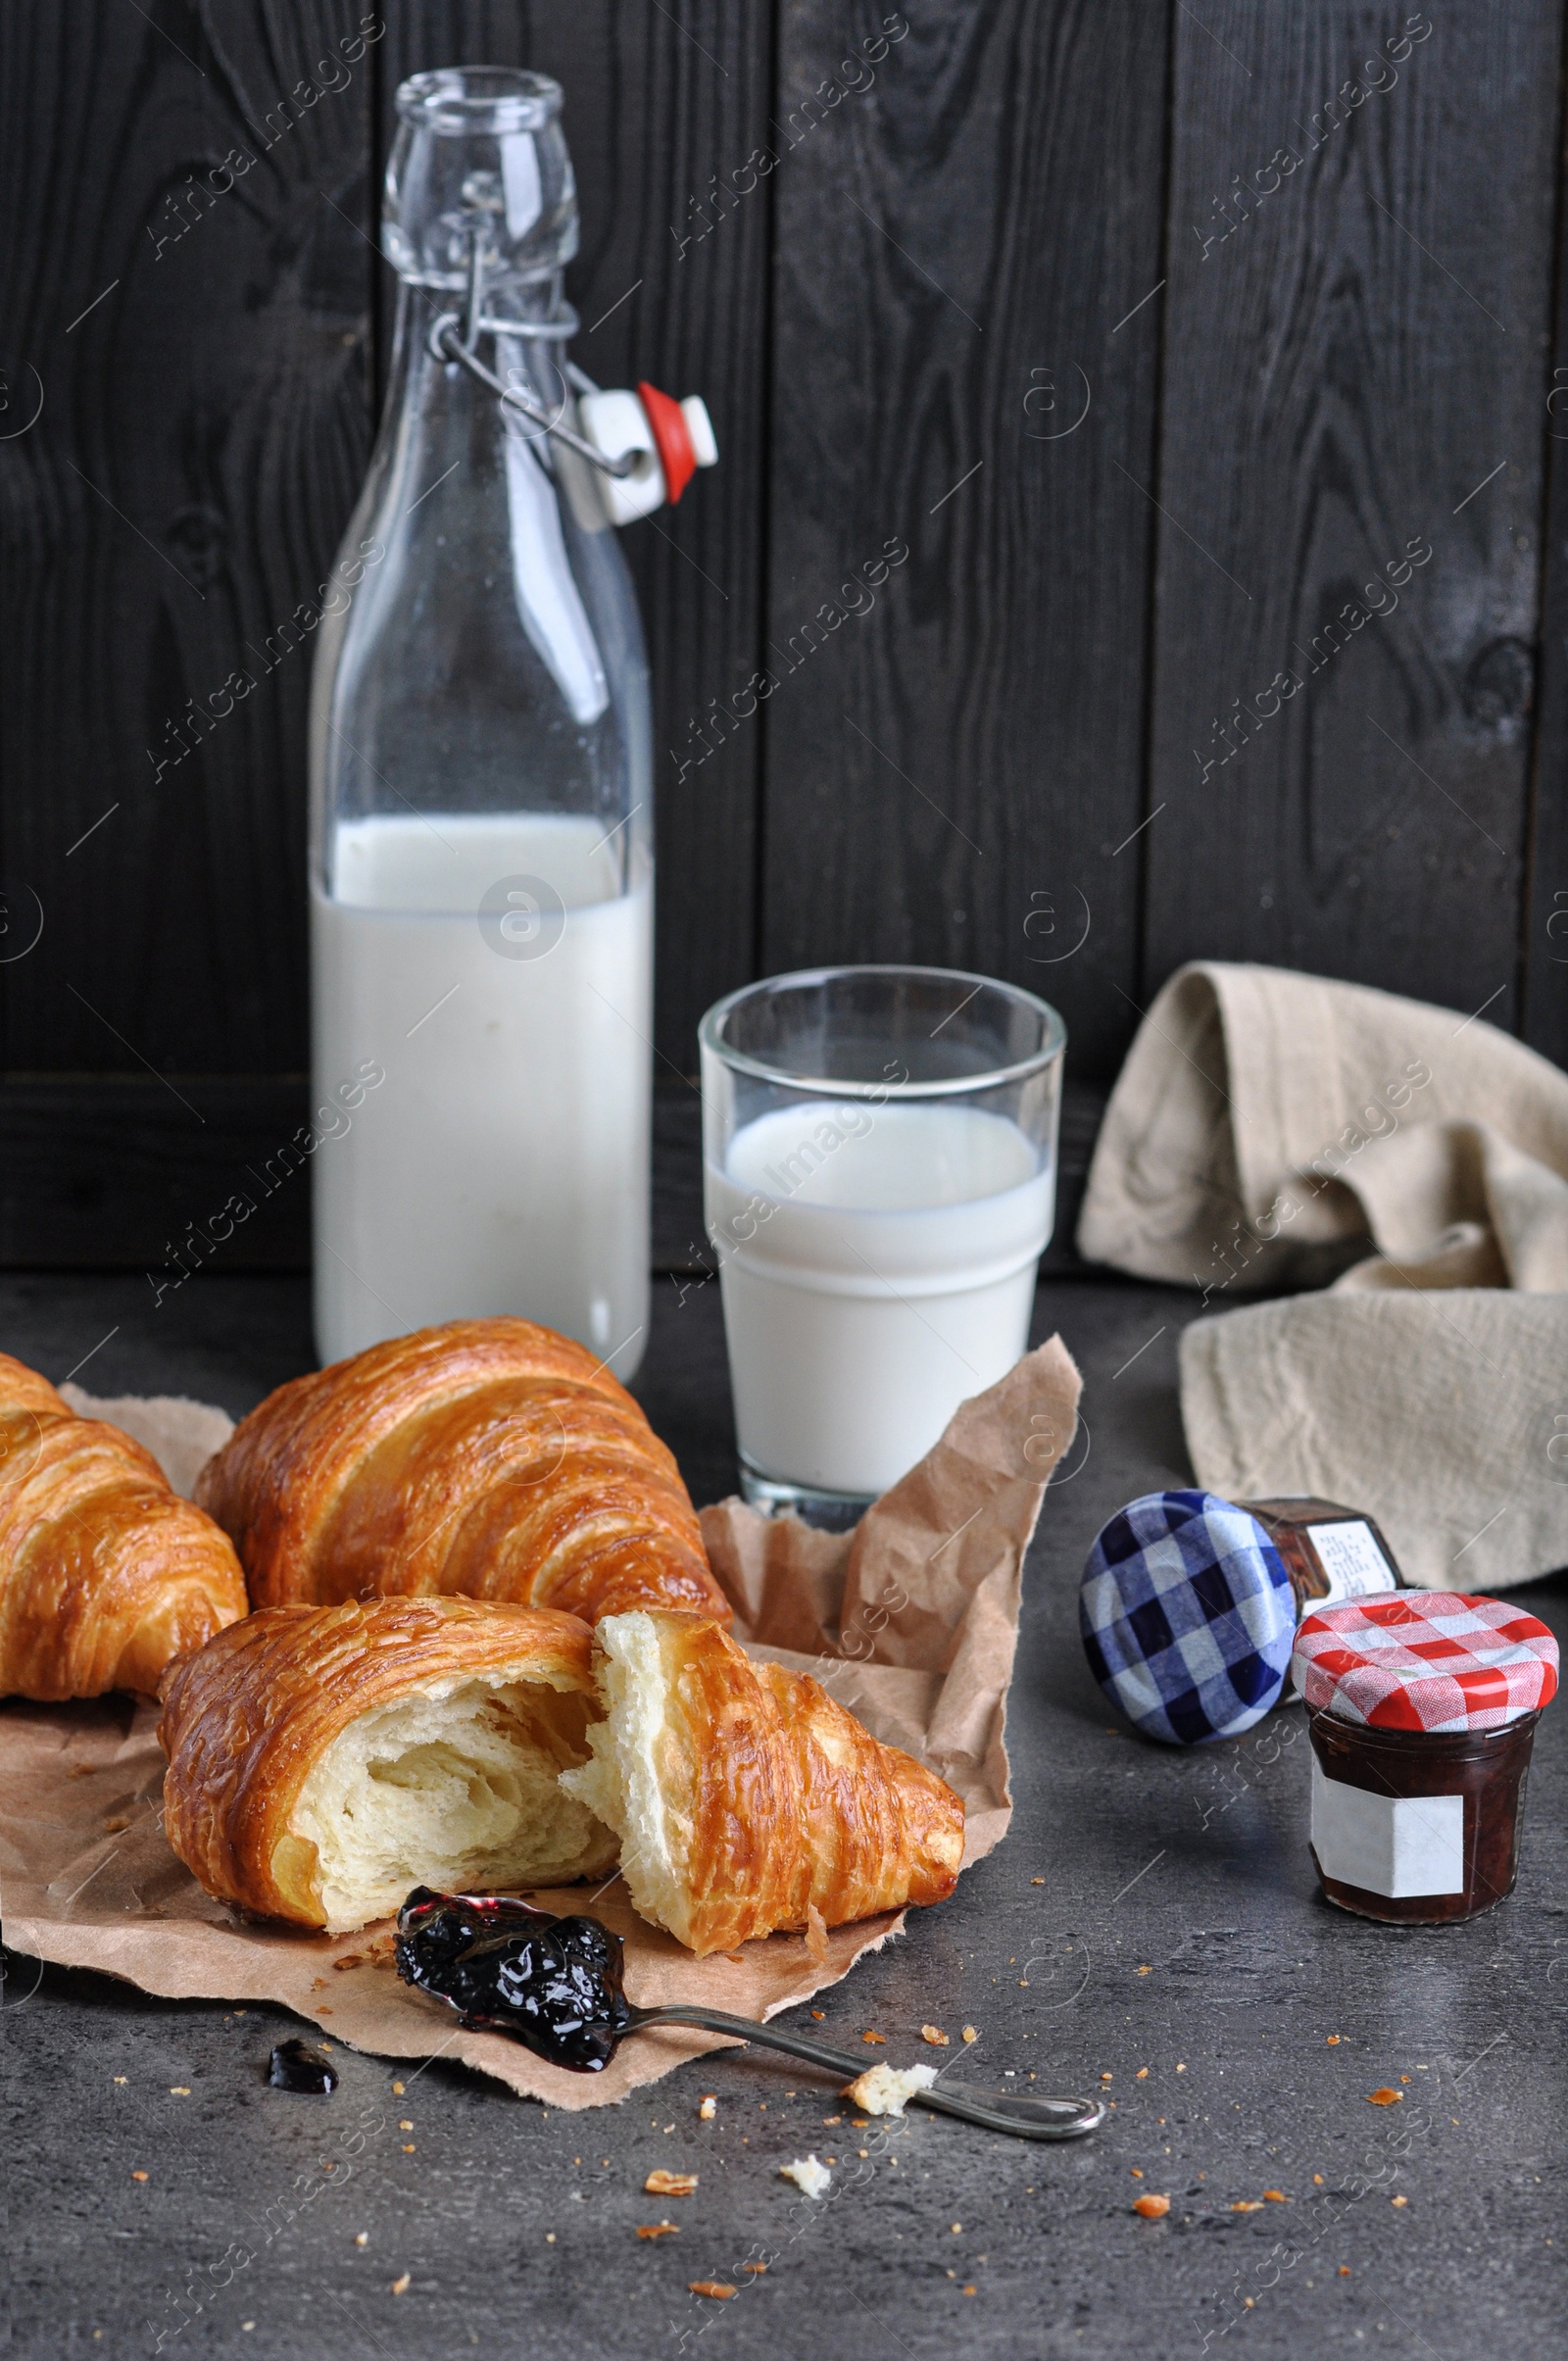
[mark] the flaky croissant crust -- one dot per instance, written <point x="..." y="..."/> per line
<point x="105" y="1574"/>
<point x="485" y="1458"/>
<point x="777" y="1800"/>
<point x="245" y="1722"/>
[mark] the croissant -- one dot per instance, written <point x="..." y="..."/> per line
<point x="323" y="1762"/>
<point x="744" y="1796"/>
<point x="105" y="1574"/>
<point x="489" y="1458"/>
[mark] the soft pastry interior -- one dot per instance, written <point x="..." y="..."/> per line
<point x="323" y="1761"/>
<point x="456" y="1788"/>
<point x="621" y="1784"/>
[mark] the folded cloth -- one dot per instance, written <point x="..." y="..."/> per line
<point x="1274" y="1130"/>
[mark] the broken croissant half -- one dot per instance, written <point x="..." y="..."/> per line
<point x="323" y="1761"/>
<point x="745" y="1797"/>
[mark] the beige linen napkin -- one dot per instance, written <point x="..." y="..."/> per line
<point x="1271" y="1129"/>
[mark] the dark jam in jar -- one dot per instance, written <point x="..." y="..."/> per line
<point x="555" y="1983"/>
<point x="1423" y="1706"/>
<point x="1441" y="1812"/>
<point x="1329" y="1552"/>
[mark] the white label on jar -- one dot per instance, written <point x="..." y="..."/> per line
<point x="1399" y="1846"/>
<point x="1350" y="1557"/>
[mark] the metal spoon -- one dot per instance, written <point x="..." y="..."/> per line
<point x="555" y="1983"/>
<point x="1026" y="2117"/>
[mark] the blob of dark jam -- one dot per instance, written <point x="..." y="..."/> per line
<point x="296" y="2066"/>
<point x="555" y="1983"/>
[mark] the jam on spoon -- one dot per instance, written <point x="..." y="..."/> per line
<point x="555" y="1983"/>
<point x="296" y="2066"/>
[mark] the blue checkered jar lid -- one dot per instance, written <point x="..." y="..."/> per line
<point x="1188" y="1616"/>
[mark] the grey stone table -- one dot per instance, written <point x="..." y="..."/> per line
<point x="1150" y="1928"/>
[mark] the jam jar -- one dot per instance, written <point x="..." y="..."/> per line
<point x="1329" y="1552"/>
<point x="1423" y="1707"/>
<point x="1189" y="1603"/>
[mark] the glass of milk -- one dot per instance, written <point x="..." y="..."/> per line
<point x="481" y="847"/>
<point x="879" y="1165"/>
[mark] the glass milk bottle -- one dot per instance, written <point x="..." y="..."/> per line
<point x="481" y="861"/>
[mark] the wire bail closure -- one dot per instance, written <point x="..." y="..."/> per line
<point x="455" y="337"/>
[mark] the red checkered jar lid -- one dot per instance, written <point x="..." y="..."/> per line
<point x="1436" y="1661"/>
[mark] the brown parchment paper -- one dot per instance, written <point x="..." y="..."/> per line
<point x="912" y="1621"/>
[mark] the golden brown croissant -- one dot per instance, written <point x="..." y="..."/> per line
<point x="744" y="1795"/>
<point x="486" y="1458"/>
<point x="105" y="1574"/>
<point x="323" y="1761"/>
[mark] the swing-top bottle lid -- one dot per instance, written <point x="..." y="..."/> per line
<point x="479" y="150"/>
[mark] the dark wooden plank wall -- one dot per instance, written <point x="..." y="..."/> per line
<point x="1013" y="291"/>
<point x="1349" y="357"/>
<point x="951" y="775"/>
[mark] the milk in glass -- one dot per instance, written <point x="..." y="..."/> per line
<point x="878" y="1267"/>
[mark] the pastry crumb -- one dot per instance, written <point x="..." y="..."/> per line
<point x="707" y="2107"/>
<point x="1398" y="2201"/>
<point x="1152" y="2205"/>
<point x="1332" y="2039"/>
<point x="1248" y="2205"/>
<point x="809" y="2176"/>
<point x="657" y="2230"/>
<point x="1037" y="1881"/>
<point x="935" y="2035"/>
<point x="888" y="2089"/>
<point x="756" y="2268"/>
<point x="819" y="2014"/>
<point x="138" y="2176"/>
<point x="397" y="2090"/>
<point x="1276" y="2197"/>
<point x="880" y="2039"/>
<point x="816" y="1935"/>
<point x="400" y="2286"/>
<point x="1384" y="2098"/>
<point x="969" y="2034"/>
<point x="179" y="2089"/>
<point x="660" y="2184"/>
<point x="830" y="2122"/>
<point x="719" y="2288"/>
<point x="120" y="1820"/>
<point x="361" y="2238"/>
